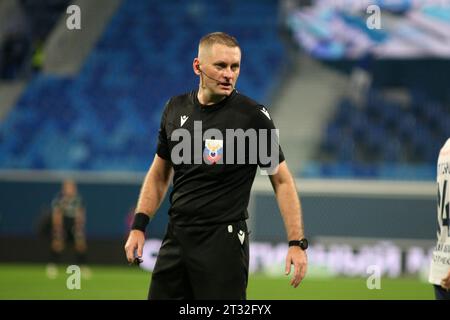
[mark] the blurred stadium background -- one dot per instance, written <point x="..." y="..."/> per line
<point x="362" y="113"/>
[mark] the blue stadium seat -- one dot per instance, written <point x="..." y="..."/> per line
<point x="365" y="141"/>
<point x="107" y="116"/>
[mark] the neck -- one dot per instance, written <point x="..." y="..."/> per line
<point x="205" y="97"/>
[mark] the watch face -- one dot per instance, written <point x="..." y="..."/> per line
<point x="304" y="244"/>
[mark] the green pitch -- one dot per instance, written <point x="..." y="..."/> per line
<point x="30" y="282"/>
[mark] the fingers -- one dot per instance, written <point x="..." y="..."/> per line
<point x="293" y="281"/>
<point x="303" y="270"/>
<point x="297" y="276"/>
<point x="129" y="254"/>
<point x="300" y="267"/>
<point x="135" y="246"/>
<point x="57" y="245"/>
<point x="287" y="269"/>
<point x="140" y="249"/>
<point x="296" y="279"/>
<point x="129" y="250"/>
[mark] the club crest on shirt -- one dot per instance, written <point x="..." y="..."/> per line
<point x="213" y="151"/>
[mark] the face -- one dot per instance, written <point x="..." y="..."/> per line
<point x="69" y="188"/>
<point x="221" y="63"/>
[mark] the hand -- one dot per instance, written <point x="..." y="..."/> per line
<point x="57" y="245"/>
<point x="445" y="282"/>
<point x="298" y="258"/>
<point x="135" y="241"/>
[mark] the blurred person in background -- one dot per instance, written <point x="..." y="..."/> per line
<point x="68" y="227"/>
<point x="205" y="252"/>
<point x="440" y="263"/>
<point x="15" y="42"/>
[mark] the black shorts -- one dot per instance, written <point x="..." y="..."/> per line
<point x="70" y="233"/>
<point x="202" y="262"/>
<point x="440" y="293"/>
<point x="69" y="229"/>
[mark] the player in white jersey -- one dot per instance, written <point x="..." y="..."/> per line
<point x="440" y="263"/>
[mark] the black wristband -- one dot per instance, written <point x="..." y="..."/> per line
<point x="140" y="221"/>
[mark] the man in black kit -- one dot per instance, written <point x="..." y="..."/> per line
<point x="210" y="142"/>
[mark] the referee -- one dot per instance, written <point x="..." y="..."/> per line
<point x="205" y="252"/>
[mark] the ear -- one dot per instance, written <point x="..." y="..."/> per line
<point x="196" y="66"/>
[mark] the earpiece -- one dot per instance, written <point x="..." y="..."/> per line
<point x="198" y="68"/>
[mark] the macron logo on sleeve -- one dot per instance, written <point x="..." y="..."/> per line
<point x="183" y="119"/>
<point x="266" y="113"/>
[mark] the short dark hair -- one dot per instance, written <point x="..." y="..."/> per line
<point x="218" y="37"/>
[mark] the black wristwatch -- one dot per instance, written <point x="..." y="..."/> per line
<point x="302" y="243"/>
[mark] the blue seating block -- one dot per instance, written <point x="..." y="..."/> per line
<point x="107" y="117"/>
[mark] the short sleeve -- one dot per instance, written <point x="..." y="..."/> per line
<point x="270" y="154"/>
<point x="162" y="149"/>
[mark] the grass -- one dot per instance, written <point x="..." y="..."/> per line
<point x="29" y="281"/>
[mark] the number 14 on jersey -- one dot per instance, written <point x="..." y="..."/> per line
<point x="443" y="207"/>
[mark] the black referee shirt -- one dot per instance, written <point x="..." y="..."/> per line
<point x="210" y="187"/>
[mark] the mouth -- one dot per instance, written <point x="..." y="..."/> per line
<point x="225" y="85"/>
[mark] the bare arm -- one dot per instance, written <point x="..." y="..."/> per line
<point x="152" y="193"/>
<point x="57" y="219"/>
<point x="290" y="208"/>
<point x="80" y="217"/>
<point x="288" y="202"/>
<point x="57" y="243"/>
<point x="155" y="186"/>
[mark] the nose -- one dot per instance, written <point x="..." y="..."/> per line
<point x="228" y="74"/>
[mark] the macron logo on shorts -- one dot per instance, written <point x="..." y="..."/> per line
<point x="241" y="236"/>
